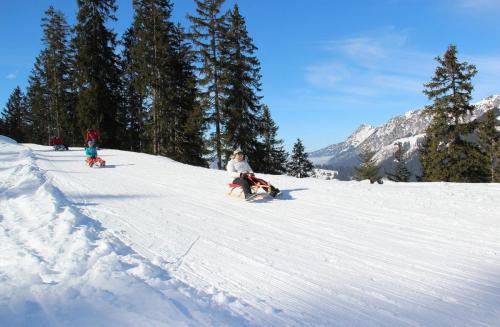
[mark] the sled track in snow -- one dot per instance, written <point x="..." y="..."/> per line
<point x="326" y="253"/>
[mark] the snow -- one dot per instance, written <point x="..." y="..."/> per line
<point x="361" y="134"/>
<point x="151" y="242"/>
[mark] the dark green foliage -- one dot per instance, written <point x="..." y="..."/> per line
<point x="186" y="121"/>
<point x="401" y="173"/>
<point x="38" y="103"/>
<point x="241" y="108"/>
<point x="447" y="154"/>
<point x="274" y="157"/>
<point x="134" y="137"/>
<point x="150" y="54"/>
<point x="160" y="86"/>
<point x="15" y="118"/>
<point x="61" y="115"/>
<point x="96" y="71"/>
<point x="368" y="168"/>
<point x="299" y="165"/>
<point x="49" y="92"/>
<point x="488" y="133"/>
<point x="207" y="33"/>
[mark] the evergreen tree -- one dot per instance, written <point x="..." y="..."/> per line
<point x="37" y="100"/>
<point x="135" y="137"/>
<point x="489" y="141"/>
<point x="401" y="173"/>
<point x="241" y="109"/>
<point x="151" y="56"/>
<point x="55" y="60"/>
<point x="274" y="157"/>
<point x="448" y="155"/>
<point x="368" y="168"/>
<point x="185" y="142"/>
<point x="96" y="71"/>
<point x="299" y="165"/>
<point x="207" y="33"/>
<point x="15" y="117"/>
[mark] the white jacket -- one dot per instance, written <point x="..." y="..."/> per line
<point x="234" y="168"/>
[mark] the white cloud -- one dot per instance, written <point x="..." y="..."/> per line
<point x="371" y="66"/>
<point x="11" y="76"/>
<point x="383" y="68"/>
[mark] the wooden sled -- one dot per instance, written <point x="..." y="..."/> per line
<point x="95" y="162"/>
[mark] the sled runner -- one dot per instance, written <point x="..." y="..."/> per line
<point x="95" y="162"/>
<point x="257" y="185"/>
<point x="254" y="188"/>
<point x="60" y="147"/>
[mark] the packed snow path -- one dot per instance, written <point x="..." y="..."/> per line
<point x="324" y="254"/>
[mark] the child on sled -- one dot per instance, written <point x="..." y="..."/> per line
<point x="242" y="174"/>
<point x="92" y="158"/>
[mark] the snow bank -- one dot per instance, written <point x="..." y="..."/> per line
<point x="60" y="268"/>
<point x="7" y="140"/>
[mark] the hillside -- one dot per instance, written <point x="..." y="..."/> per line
<point x="408" y="129"/>
<point x="151" y="242"/>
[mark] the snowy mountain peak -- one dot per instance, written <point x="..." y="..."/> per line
<point x="360" y="134"/>
<point x="408" y="128"/>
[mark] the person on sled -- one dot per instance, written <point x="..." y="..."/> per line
<point x="92" y="135"/>
<point x="58" y="143"/>
<point x="242" y="174"/>
<point x="91" y="153"/>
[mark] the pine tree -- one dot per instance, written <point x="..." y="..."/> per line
<point x="207" y="33"/>
<point x="15" y="116"/>
<point x="241" y="109"/>
<point x="368" y="168"/>
<point x="274" y="157"/>
<point x="61" y="116"/>
<point x="299" y="165"/>
<point x="489" y="140"/>
<point x="135" y="138"/>
<point x="37" y="99"/>
<point x="448" y="155"/>
<point x="151" y="56"/>
<point x="401" y="173"/>
<point x="96" y="71"/>
<point x="187" y="122"/>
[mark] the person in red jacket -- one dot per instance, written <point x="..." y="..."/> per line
<point x="58" y="143"/>
<point x="92" y="135"/>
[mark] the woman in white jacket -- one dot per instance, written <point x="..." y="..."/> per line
<point x="242" y="174"/>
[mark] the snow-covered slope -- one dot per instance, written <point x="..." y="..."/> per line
<point x="151" y="242"/>
<point x="408" y="129"/>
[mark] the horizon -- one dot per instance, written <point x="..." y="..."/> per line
<point x="325" y="77"/>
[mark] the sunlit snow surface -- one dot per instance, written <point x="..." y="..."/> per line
<point x="147" y="241"/>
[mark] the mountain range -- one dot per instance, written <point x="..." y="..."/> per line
<point x="409" y="129"/>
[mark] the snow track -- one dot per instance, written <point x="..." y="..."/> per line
<point x="325" y="254"/>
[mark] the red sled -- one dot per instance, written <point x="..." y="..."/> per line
<point x="258" y="184"/>
<point x="95" y="162"/>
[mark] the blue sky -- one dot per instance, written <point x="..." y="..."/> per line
<point x="327" y="65"/>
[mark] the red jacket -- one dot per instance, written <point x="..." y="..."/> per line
<point x="56" y="141"/>
<point x="92" y="135"/>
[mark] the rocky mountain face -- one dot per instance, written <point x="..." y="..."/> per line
<point x="409" y="129"/>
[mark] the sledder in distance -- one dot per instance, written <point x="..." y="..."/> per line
<point x="244" y="178"/>
<point x="93" y="160"/>
<point x="58" y="144"/>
